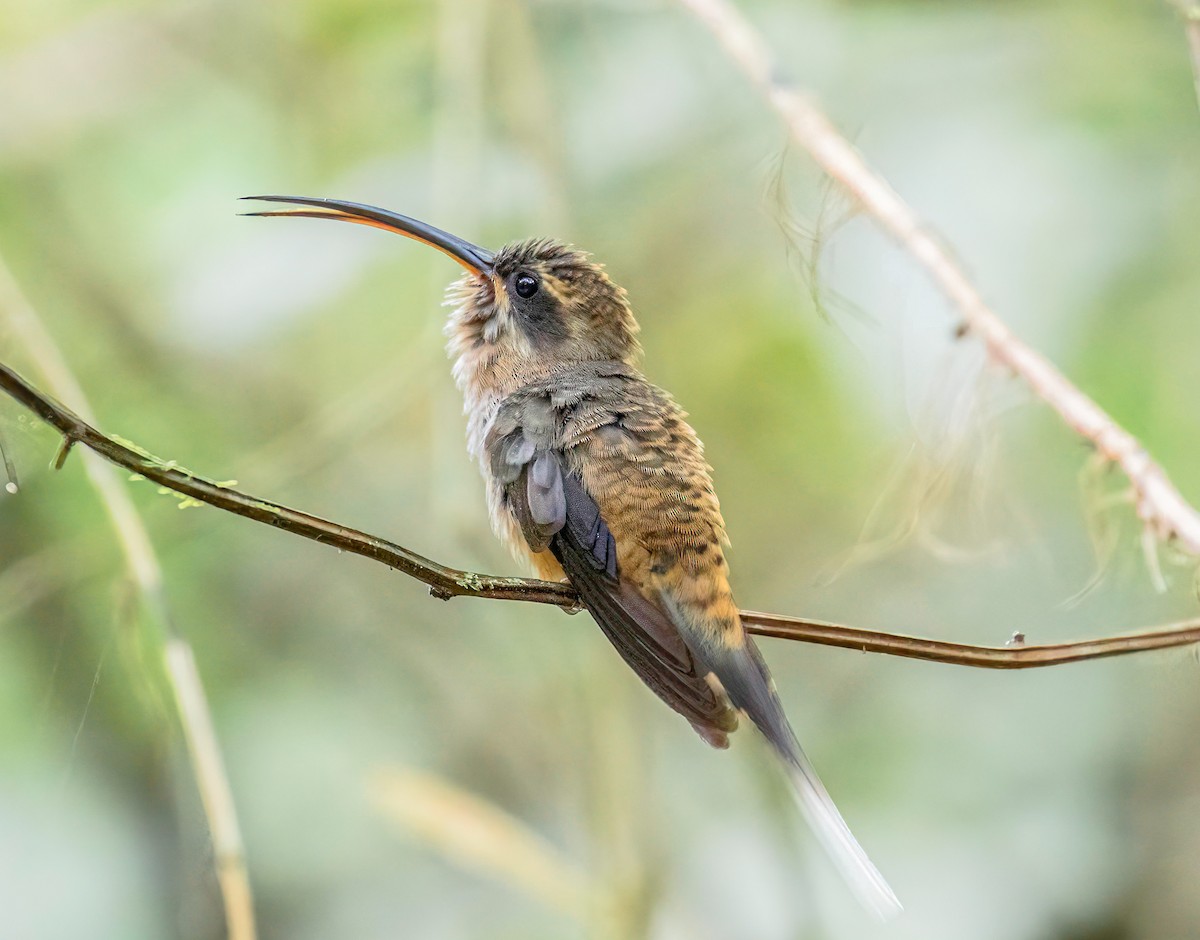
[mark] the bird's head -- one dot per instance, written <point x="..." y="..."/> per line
<point x="538" y="301"/>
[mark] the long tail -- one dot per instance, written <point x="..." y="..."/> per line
<point x="749" y="685"/>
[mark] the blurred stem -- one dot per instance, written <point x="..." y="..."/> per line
<point x="623" y="828"/>
<point x="526" y="102"/>
<point x="194" y="715"/>
<point x="26" y="581"/>
<point x="479" y="835"/>
<point x="1160" y="506"/>
<point x="378" y="400"/>
<point x="459" y="134"/>
<point x="1190" y="11"/>
<point x="445" y="582"/>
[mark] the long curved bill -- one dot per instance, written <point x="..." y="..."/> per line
<point x="472" y="257"/>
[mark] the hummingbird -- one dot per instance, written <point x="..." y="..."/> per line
<point x="594" y="476"/>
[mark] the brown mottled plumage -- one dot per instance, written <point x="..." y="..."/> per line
<point x="594" y="475"/>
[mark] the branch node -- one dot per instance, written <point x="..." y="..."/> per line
<point x="64" y="450"/>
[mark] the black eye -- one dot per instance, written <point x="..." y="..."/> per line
<point x="526" y="285"/>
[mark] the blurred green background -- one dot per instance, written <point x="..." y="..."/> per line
<point x="872" y="471"/>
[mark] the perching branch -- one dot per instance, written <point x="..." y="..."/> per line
<point x="447" y="582"/>
<point x="1161" y="508"/>
<point x="443" y="582"/>
<point x="195" y="718"/>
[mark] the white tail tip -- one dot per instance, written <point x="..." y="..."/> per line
<point x="835" y="836"/>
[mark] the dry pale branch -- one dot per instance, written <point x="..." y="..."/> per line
<point x="481" y="836"/>
<point x="179" y="663"/>
<point x="1160" y="506"/>
<point x="447" y="582"/>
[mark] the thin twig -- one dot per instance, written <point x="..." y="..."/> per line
<point x="10" y="471"/>
<point x="1159" y="504"/>
<point x="445" y="582"/>
<point x="179" y="663"/>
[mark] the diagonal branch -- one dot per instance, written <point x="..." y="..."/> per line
<point x="443" y="582"/>
<point x="1162" y="509"/>
<point x="447" y="582"/>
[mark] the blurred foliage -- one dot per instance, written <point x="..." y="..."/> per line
<point x="872" y="470"/>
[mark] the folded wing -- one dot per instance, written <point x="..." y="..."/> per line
<point x="554" y="511"/>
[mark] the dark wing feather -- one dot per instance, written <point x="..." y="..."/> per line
<point x="554" y="510"/>
<point x="586" y="530"/>
<point x="636" y="628"/>
<point x="643" y="635"/>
